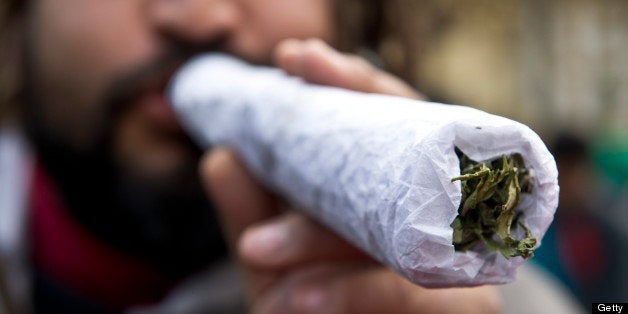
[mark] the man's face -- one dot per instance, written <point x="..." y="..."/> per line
<point x="100" y="67"/>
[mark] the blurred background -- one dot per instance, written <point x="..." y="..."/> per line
<point x="560" y="67"/>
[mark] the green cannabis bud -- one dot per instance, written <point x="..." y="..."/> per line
<point x="490" y="194"/>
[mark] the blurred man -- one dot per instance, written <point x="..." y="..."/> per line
<point x="102" y="208"/>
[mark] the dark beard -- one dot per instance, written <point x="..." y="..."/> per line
<point x="176" y="230"/>
<point x="172" y="227"/>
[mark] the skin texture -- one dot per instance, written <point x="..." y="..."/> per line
<point x="85" y="48"/>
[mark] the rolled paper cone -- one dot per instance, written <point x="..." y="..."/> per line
<point x="375" y="169"/>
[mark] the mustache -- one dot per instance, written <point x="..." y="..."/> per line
<point x="127" y="86"/>
<point x="154" y="73"/>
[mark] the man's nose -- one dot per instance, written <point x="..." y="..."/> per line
<point x="195" y="21"/>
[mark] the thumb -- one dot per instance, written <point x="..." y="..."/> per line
<point x="240" y="201"/>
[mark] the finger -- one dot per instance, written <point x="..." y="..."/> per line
<point x="240" y="201"/>
<point x="316" y="62"/>
<point x="292" y="240"/>
<point x="324" y="290"/>
<point x="380" y="290"/>
<point x="368" y="288"/>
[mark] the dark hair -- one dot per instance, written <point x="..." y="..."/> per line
<point x="10" y="7"/>
<point x="9" y="72"/>
<point x="382" y="26"/>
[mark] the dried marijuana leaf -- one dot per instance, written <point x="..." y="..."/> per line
<point x="490" y="195"/>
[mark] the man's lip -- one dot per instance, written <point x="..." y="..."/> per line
<point x="156" y="107"/>
<point x="153" y="104"/>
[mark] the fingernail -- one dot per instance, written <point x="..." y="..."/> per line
<point x="320" y="48"/>
<point x="290" y="56"/>
<point x="265" y="244"/>
<point x="290" y="46"/>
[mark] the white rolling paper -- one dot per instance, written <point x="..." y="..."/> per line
<point x="375" y="169"/>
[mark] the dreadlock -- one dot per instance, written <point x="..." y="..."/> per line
<point x="381" y="26"/>
<point x="9" y="64"/>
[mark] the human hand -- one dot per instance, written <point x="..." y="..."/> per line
<point x="318" y="63"/>
<point x="290" y="263"/>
